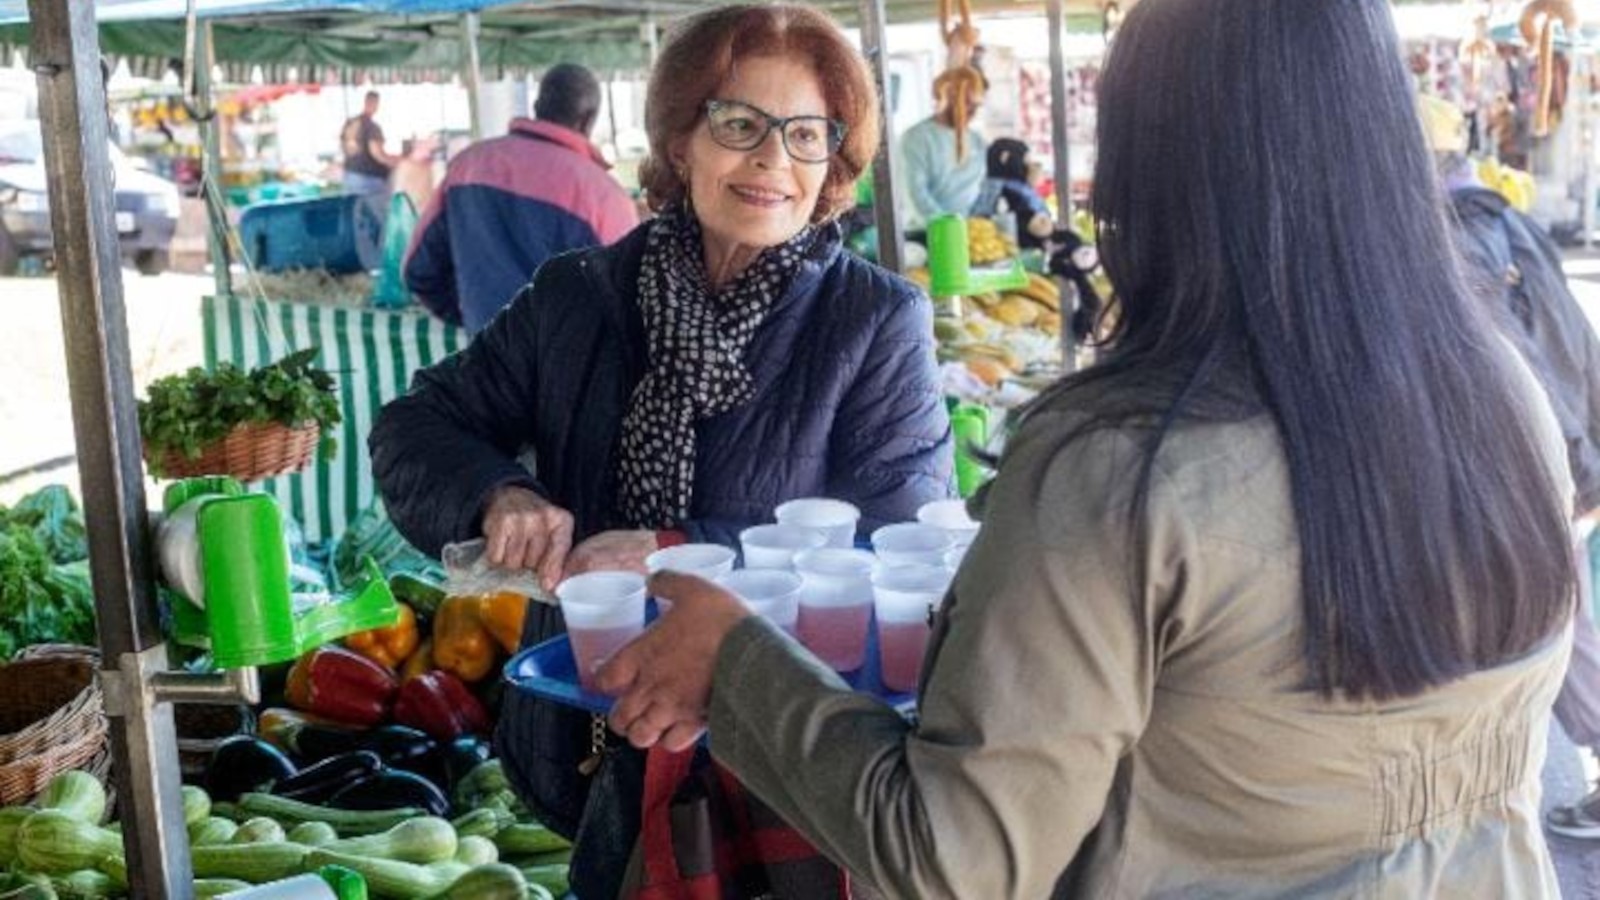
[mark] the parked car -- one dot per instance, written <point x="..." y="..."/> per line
<point x="146" y="204"/>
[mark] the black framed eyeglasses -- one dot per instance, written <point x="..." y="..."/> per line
<point x="740" y="126"/>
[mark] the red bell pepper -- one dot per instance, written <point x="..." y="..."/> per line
<point x="441" y="705"/>
<point x="344" y="686"/>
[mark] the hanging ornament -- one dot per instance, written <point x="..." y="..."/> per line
<point x="960" y="86"/>
<point x="1476" y="52"/>
<point x="1539" y="20"/>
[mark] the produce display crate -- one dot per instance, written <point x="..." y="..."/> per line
<point x="371" y="353"/>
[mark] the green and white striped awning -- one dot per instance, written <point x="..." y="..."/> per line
<point x="371" y="353"/>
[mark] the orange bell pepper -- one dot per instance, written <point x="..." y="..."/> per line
<point x="462" y="645"/>
<point x="418" y="663"/>
<point x="503" y="614"/>
<point x="388" y="646"/>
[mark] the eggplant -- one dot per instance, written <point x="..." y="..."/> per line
<point x="392" y="789"/>
<point x="394" y="744"/>
<point x="316" y="783"/>
<point x="462" y="755"/>
<point x="242" y="764"/>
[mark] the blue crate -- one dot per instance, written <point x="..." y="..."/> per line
<point x="341" y="234"/>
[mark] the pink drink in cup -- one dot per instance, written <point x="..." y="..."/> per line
<point x="604" y="611"/>
<point x="708" y="561"/>
<point x="772" y="594"/>
<point x="905" y="598"/>
<point x="836" y="605"/>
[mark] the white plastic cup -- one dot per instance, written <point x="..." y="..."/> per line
<point x="951" y="515"/>
<point x="836" y="519"/>
<point x="708" y="561"/>
<point x="836" y="605"/>
<point x="604" y="611"/>
<point x="912" y="544"/>
<point x="955" y="556"/>
<point x="904" y="598"/>
<point x="775" y="546"/>
<point x="772" y="594"/>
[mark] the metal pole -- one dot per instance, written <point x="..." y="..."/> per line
<point x="1059" y="113"/>
<point x="472" y="74"/>
<point x="652" y="38"/>
<point x="211" y="137"/>
<point x="891" y="243"/>
<point x="72" y="110"/>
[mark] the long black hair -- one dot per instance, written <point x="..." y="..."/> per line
<point x="1270" y="221"/>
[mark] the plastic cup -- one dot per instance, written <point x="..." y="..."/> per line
<point x="604" y="611"/>
<point x="836" y="519"/>
<point x="904" y="598"/>
<point x="836" y="605"/>
<point x="775" y="546"/>
<point x="951" y="515"/>
<point x="955" y="556"/>
<point x="708" y="561"/>
<point x="772" y="594"/>
<point x="912" y="544"/>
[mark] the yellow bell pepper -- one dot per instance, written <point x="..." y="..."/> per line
<point x="503" y="614"/>
<point x="388" y="646"/>
<point x="462" y="645"/>
<point x="418" y="663"/>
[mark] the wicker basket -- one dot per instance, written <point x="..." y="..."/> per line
<point x="51" y="719"/>
<point x="250" y="452"/>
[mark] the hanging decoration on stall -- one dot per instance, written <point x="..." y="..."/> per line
<point x="1110" y="19"/>
<point x="1539" y="20"/>
<point x="1476" y="53"/>
<point x="959" y="88"/>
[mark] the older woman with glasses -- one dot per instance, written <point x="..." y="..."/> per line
<point x="724" y="358"/>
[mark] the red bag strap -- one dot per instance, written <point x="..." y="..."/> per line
<point x="663" y="772"/>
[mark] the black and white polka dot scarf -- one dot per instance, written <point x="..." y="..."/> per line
<point x="697" y="344"/>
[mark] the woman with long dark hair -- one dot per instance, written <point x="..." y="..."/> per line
<point x="1274" y="601"/>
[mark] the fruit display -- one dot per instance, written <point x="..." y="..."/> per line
<point x="999" y="335"/>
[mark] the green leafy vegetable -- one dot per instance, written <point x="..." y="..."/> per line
<point x="184" y="413"/>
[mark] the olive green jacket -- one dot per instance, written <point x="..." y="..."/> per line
<point x="1085" y="735"/>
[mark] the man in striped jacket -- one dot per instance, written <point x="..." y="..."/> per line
<point x="509" y="203"/>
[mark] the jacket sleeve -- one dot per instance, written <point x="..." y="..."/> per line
<point x="891" y="449"/>
<point x="429" y="269"/>
<point x="1040" y="677"/>
<point x="440" y="450"/>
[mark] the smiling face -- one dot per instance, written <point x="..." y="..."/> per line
<point x="756" y="198"/>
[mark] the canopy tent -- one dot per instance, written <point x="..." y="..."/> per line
<point x="414" y="40"/>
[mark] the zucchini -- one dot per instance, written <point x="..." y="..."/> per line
<point x="56" y="842"/>
<point x="313" y="834"/>
<point x="30" y="887"/>
<point x="424" y="840"/>
<point x="78" y="794"/>
<point x="529" y="837"/>
<point x="84" y="884"/>
<point x="344" y="821"/>
<point x="260" y="830"/>
<point x="230" y="811"/>
<point x="482" y="822"/>
<point x="387" y="878"/>
<point x="196" y="805"/>
<point x="213" y="832"/>
<point x="476" y="851"/>
<point x="216" y="887"/>
<point x="255" y="863"/>
<point x="554" y="878"/>
<point x="117" y="868"/>
<point x="494" y="881"/>
<point x="11" y="819"/>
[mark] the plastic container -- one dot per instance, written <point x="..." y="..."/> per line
<point x="775" y="546"/>
<point x="708" y="561"/>
<point x="836" y="519"/>
<point x="342" y="234"/>
<point x="836" y="605"/>
<point x="912" y="544"/>
<point x="772" y="594"/>
<point x="904" y="600"/>
<point x="604" y="611"/>
<point x="951" y="516"/>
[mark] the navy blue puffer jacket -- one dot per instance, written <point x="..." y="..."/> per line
<point x="848" y="405"/>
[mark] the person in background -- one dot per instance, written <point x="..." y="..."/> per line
<point x="1517" y="268"/>
<point x="936" y="180"/>
<point x="413" y="174"/>
<point x="1272" y="601"/>
<point x="509" y="203"/>
<point x="366" y="163"/>
<point x="725" y="357"/>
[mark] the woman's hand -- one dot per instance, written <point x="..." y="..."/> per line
<point x="662" y="681"/>
<point x="613" y="551"/>
<point x="525" y="531"/>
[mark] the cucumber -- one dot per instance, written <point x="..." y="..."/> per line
<point x="11" y="819"/>
<point x="216" y="887"/>
<point x="476" y="851"/>
<point x="482" y="822"/>
<point x="387" y="878"/>
<point x="213" y="832"/>
<point x="344" y="821"/>
<point x="260" y="830"/>
<point x="313" y="834"/>
<point x="529" y="838"/>
<point x="494" y="881"/>
<point x="255" y="863"/>
<point x="554" y="878"/>
<point x="84" y="884"/>
<point x="77" y="794"/>
<point x="422" y="840"/>
<point x="196" y="805"/>
<point x="56" y="842"/>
